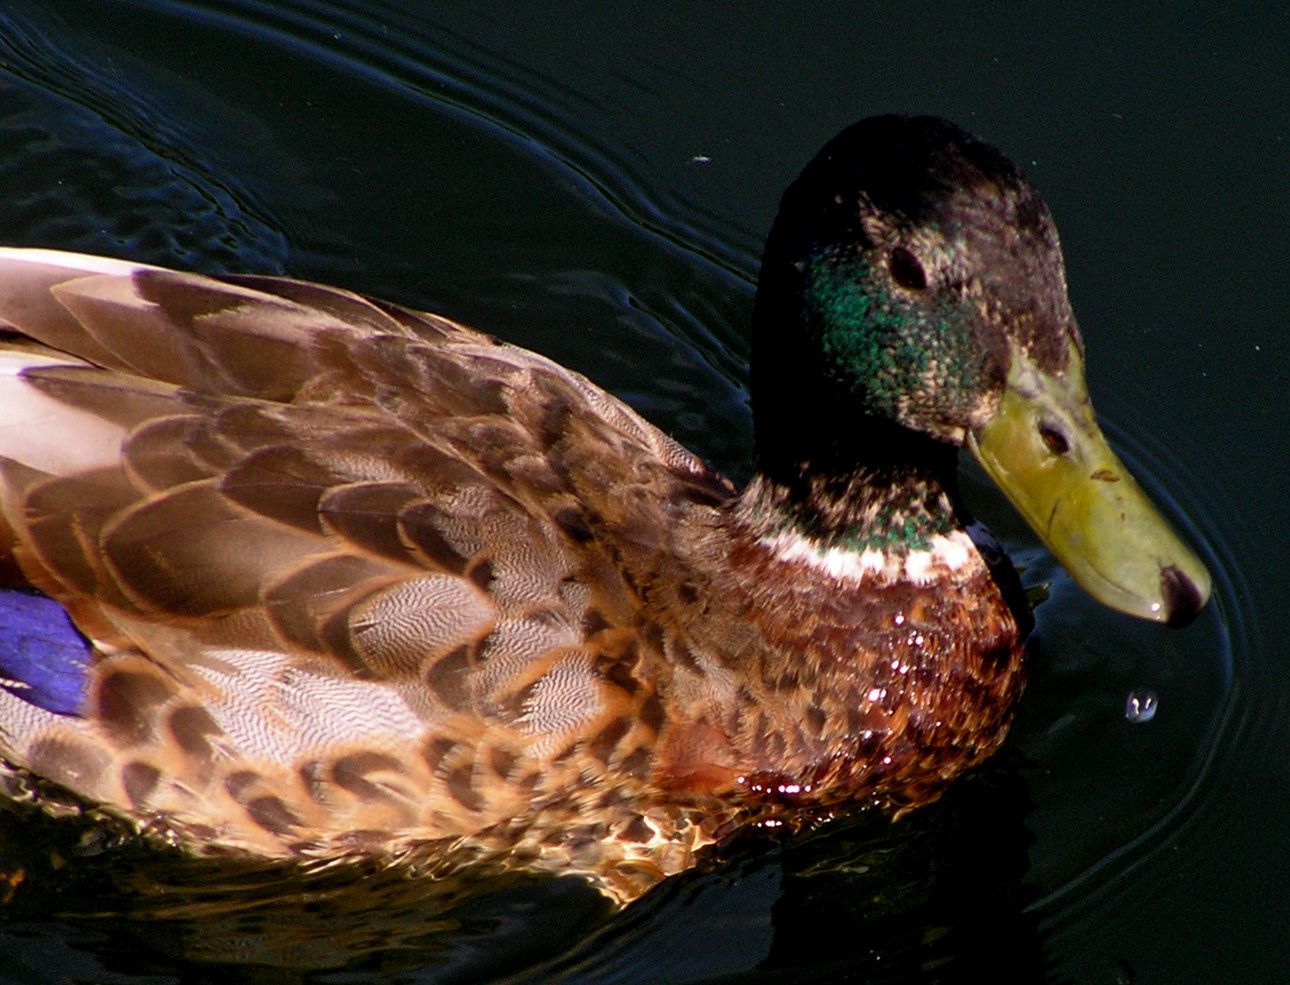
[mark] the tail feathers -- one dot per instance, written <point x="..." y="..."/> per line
<point x="44" y="661"/>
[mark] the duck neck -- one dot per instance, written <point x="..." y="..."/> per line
<point x="891" y="491"/>
<point x="851" y="654"/>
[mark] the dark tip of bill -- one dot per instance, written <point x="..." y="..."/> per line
<point x="1181" y="596"/>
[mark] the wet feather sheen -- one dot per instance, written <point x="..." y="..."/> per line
<point x="359" y="580"/>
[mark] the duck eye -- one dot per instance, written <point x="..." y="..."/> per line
<point x="906" y="270"/>
<point x="1054" y="439"/>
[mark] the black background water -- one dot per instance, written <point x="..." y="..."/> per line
<point x="593" y="180"/>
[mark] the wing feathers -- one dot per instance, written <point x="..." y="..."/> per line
<point x="193" y="552"/>
<point x="304" y="529"/>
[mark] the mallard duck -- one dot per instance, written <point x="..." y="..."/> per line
<point x="294" y="573"/>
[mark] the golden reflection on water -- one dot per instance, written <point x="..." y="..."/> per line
<point x="239" y="912"/>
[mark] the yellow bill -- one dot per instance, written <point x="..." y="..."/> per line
<point x="1043" y="448"/>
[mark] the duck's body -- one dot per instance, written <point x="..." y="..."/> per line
<point x="357" y="580"/>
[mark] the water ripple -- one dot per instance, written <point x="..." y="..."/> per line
<point x="87" y="159"/>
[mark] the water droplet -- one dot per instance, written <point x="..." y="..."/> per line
<point x="1122" y="973"/>
<point x="1140" y="706"/>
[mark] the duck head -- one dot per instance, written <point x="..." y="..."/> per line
<point x="912" y="301"/>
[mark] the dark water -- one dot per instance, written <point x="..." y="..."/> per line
<point x="593" y="180"/>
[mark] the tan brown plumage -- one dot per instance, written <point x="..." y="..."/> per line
<point x="361" y="581"/>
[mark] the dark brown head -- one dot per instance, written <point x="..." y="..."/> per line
<point x="913" y="300"/>
<point x="907" y="263"/>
